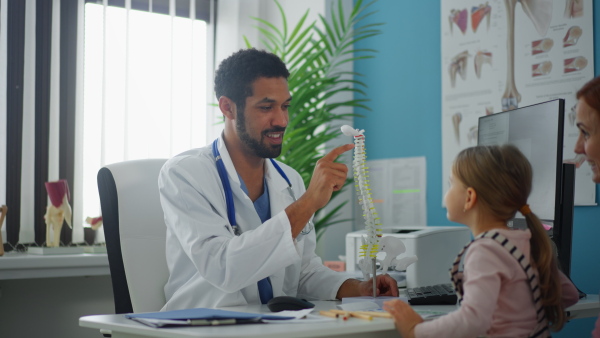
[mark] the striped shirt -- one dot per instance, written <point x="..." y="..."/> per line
<point x="497" y="299"/>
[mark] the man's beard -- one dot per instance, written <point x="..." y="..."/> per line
<point x="258" y="148"/>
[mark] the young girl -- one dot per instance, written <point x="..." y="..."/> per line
<point x="510" y="285"/>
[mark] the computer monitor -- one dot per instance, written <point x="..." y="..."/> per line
<point x="537" y="131"/>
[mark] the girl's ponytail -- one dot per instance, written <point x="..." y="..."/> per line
<point x="544" y="260"/>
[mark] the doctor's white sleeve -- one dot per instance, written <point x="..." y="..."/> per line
<point x="199" y="241"/>
<point x="317" y="282"/>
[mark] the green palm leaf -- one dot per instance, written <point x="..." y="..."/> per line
<point x="314" y="52"/>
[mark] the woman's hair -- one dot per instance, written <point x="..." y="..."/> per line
<point x="501" y="176"/>
<point x="590" y="92"/>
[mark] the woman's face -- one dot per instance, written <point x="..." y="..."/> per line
<point x="588" y="143"/>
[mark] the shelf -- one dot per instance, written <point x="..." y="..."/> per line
<point x="25" y="266"/>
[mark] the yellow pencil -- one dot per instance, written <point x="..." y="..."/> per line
<point x="375" y="314"/>
<point x="342" y="313"/>
<point x="361" y="316"/>
<point x="328" y="314"/>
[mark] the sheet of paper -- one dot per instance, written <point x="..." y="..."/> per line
<point x="365" y="303"/>
<point x="298" y="317"/>
<point x="310" y="318"/>
<point x="398" y="188"/>
<point x="291" y="315"/>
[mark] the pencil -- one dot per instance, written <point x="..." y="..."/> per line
<point x="328" y="314"/>
<point x="342" y="313"/>
<point x="375" y="314"/>
<point x="361" y="316"/>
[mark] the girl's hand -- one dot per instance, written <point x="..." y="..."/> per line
<point x="404" y="316"/>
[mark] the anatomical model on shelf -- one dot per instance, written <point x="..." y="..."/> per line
<point x="58" y="212"/>
<point x="3" y="211"/>
<point x="94" y="222"/>
<point x="540" y="13"/>
<point x="572" y="36"/>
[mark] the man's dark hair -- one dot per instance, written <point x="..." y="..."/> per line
<point x="236" y="73"/>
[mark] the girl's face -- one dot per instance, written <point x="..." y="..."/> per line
<point x="455" y="200"/>
<point x="588" y="143"/>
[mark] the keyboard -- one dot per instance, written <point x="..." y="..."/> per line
<point x="440" y="294"/>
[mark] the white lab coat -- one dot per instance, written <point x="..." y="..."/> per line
<point x="211" y="267"/>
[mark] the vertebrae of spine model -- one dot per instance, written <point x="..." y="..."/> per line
<point x="370" y="245"/>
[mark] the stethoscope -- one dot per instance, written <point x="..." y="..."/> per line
<point x="229" y="194"/>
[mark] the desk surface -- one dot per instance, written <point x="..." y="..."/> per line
<point x="354" y="327"/>
<point x="23" y="265"/>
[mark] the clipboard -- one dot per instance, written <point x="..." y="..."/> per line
<point x="200" y="317"/>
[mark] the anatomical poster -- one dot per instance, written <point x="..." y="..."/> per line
<point x="499" y="55"/>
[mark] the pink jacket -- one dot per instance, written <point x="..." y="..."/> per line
<point x="497" y="298"/>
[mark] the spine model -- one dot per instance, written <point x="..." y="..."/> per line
<point x="370" y="244"/>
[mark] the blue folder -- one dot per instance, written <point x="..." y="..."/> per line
<point x="200" y="316"/>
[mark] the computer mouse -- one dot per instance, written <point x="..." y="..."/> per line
<point x="288" y="303"/>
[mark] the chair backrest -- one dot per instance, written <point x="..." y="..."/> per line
<point x="135" y="234"/>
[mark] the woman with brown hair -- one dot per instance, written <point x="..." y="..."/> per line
<point x="588" y="143"/>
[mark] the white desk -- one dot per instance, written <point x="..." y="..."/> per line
<point x="354" y="327"/>
<point x="587" y="307"/>
<point x="23" y="265"/>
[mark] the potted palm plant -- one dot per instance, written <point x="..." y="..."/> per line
<point x="314" y="55"/>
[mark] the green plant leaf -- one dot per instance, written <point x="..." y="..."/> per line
<point x="313" y="52"/>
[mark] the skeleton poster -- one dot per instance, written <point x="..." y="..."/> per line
<point x="499" y="55"/>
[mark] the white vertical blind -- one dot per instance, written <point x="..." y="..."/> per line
<point x="145" y="88"/>
<point x="26" y="232"/>
<point x="28" y="137"/>
<point x="3" y="131"/>
<point x="77" y="189"/>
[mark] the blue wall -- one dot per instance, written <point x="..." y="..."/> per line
<point x="404" y="86"/>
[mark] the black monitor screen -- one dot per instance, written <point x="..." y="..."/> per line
<point x="537" y="131"/>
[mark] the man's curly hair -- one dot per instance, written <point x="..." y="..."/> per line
<point x="236" y="73"/>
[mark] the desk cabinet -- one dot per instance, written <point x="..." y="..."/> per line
<point x="43" y="296"/>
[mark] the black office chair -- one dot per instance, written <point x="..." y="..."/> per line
<point x="135" y="234"/>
